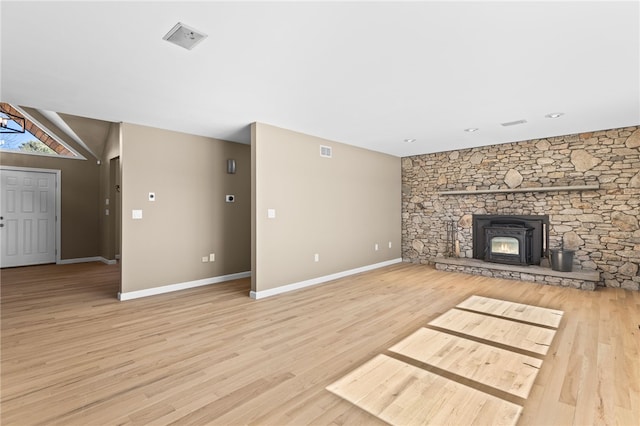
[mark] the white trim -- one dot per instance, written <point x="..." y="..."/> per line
<point x="307" y="283"/>
<point x="181" y="286"/>
<point x="58" y="174"/>
<point x="87" y="259"/>
<point x="64" y="127"/>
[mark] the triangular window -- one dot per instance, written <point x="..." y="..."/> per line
<point x="21" y="134"/>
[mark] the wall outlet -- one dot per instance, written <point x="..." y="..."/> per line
<point x="316" y="257"/>
<point x="136" y="214"/>
<point x="212" y="257"/>
<point x="205" y="259"/>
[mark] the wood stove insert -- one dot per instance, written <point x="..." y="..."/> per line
<point x="508" y="244"/>
<point x="510" y="239"/>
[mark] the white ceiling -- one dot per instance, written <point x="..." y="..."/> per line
<point x="369" y="74"/>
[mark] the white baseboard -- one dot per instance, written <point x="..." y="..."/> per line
<point x="87" y="259"/>
<point x="314" y="281"/>
<point x="181" y="286"/>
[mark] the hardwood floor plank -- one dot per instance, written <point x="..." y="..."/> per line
<point x="518" y="311"/>
<point x="517" y="335"/>
<point x="504" y="370"/>
<point x="402" y="394"/>
<point x="73" y="354"/>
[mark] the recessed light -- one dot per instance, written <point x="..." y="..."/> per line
<point x="409" y="140"/>
<point x="471" y="129"/>
<point x="555" y="115"/>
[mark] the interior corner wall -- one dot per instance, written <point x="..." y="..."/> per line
<point x="107" y="221"/>
<point x="338" y="208"/>
<point x="189" y="218"/>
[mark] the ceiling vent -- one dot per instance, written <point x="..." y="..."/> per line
<point x="325" y="151"/>
<point x="513" y="123"/>
<point x="184" y="36"/>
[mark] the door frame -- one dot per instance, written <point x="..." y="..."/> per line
<point x="58" y="194"/>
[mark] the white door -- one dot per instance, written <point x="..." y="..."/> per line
<point x="27" y="218"/>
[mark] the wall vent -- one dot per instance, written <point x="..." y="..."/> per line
<point x="513" y="123"/>
<point x="325" y="151"/>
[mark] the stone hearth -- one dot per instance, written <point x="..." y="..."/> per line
<point x="584" y="279"/>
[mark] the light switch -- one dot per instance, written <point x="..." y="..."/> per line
<point x="271" y="213"/>
<point x="136" y="214"/>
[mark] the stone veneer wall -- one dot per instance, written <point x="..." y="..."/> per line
<point x="601" y="225"/>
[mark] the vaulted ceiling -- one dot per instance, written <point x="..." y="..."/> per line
<point x="369" y="74"/>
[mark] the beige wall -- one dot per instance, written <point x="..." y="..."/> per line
<point x="338" y="208"/>
<point x="80" y="228"/>
<point x="190" y="217"/>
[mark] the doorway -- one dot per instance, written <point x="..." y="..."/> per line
<point x="115" y="197"/>
<point x="29" y="209"/>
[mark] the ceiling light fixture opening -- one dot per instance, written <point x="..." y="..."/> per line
<point x="554" y="115"/>
<point x="184" y="36"/>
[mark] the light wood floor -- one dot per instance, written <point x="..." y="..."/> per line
<point x="73" y="354"/>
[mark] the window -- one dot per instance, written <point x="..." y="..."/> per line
<point x="19" y="133"/>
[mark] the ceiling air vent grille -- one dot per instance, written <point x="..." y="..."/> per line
<point x="184" y="36"/>
<point x="513" y="123"/>
<point x="325" y="151"/>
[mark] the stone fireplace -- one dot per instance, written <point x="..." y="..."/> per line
<point x="588" y="184"/>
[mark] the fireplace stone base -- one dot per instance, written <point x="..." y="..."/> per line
<point x="579" y="278"/>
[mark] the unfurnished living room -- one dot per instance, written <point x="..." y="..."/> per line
<point x="330" y="213"/>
